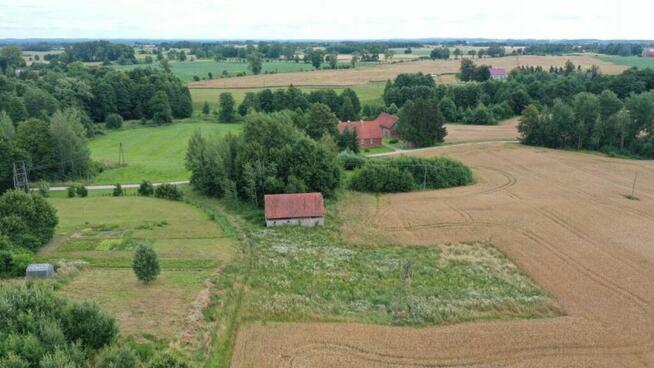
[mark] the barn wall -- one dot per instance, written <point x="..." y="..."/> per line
<point x="307" y="222"/>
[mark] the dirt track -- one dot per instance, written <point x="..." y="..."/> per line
<point x="560" y="215"/>
<point x="385" y="72"/>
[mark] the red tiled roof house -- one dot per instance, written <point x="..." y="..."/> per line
<point x="648" y="53"/>
<point x="306" y="209"/>
<point x="370" y="133"/>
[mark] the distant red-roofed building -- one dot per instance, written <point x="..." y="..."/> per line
<point x="306" y="209"/>
<point x="388" y="124"/>
<point x="371" y="132"/>
<point x="649" y="53"/>
<point x="498" y="73"/>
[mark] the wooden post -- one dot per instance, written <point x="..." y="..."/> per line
<point x="633" y="188"/>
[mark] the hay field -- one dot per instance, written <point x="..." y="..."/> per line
<point x="383" y="72"/>
<point x="561" y="216"/>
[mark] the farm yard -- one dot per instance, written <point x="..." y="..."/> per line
<point x="383" y="72"/>
<point x="548" y="211"/>
<point x="191" y="249"/>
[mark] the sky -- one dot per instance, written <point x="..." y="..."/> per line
<point x="333" y="19"/>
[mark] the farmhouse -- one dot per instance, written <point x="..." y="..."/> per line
<point x="649" y="53"/>
<point x="306" y="209"/>
<point x="498" y="73"/>
<point x="370" y="133"/>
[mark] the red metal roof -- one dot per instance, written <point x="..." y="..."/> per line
<point x="288" y="206"/>
<point x="386" y="120"/>
<point x="497" y="71"/>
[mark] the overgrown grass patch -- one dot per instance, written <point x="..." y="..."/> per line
<point x="310" y="275"/>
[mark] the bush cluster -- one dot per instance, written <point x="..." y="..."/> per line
<point x="410" y="173"/>
<point x="351" y="160"/>
<point x="146" y="189"/>
<point x="38" y="328"/>
<point x="168" y="191"/>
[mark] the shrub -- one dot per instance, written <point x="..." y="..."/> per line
<point x="117" y="357"/>
<point x="71" y="191"/>
<point x="89" y="325"/>
<point x="81" y="191"/>
<point x="118" y="191"/>
<point x="146" y="189"/>
<point x="28" y="220"/>
<point x="351" y="160"/>
<point x="167" y="360"/>
<point x="44" y="189"/>
<point x="410" y="173"/>
<point x="168" y="191"/>
<point x="146" y="263"/>
<point x="113" y="121"/>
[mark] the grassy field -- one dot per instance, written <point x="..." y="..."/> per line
<point x="152" y="153"/>
<point x="631" y="61"/>
<point x="293" y="274"/>
<point x="103" y="231"/>
<point x="370" y="94"/>
<point x="201" y="68"/>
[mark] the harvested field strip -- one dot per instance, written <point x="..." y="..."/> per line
<point x="559" y="215"/>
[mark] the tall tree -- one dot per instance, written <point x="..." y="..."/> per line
<point x="7" y="129"/>
<point x="421" y="123"/>
<point x="255" y="62"/>
<point x="160" y="108"/>
<point x="72" y="155"/>
<point x="227" y="111"/>
<point x="320" y="121"/>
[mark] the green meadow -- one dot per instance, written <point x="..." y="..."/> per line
<point x="632" y="61"/>
<point x="152" y="153"/>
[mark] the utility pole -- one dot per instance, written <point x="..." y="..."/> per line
<point x="121" y="155"/>
<point x="20" y="176"/>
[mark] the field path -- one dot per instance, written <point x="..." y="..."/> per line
<point x="561" y="216"/>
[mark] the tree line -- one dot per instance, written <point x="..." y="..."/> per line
<point x="346" y="105"/>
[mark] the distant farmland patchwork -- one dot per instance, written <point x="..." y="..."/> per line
<point x="201" y="68"/>
<point x="383" y="72"/>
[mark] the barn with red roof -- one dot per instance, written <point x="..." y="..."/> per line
<point x="306" y="209"/>
<point x="371" y="132"/>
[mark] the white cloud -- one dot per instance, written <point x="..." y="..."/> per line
<point x="335" y="19"/>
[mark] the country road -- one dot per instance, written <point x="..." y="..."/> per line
<point x="112" y="186"/>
